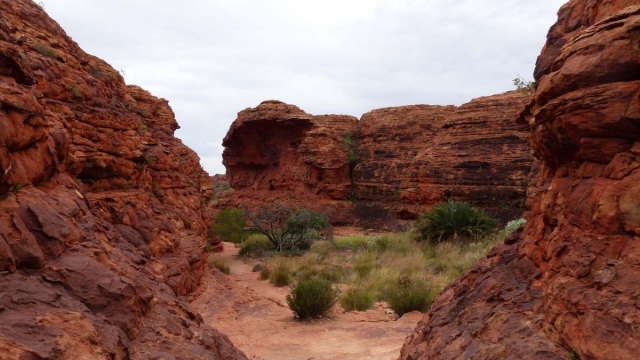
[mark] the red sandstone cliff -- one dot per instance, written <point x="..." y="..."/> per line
<point x="567" y="286"/>
<point x="408" y="159"/>
<point x="100" y="211"/>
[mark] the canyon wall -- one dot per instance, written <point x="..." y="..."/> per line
<point x="101" y="229"/>
<point x="565" y="287"/>
<point x="392" y="165"/>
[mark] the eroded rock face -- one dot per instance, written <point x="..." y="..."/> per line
<point x="100" y="208"/>
<point x="567" y="286"/>
<point x="392" y="165"/>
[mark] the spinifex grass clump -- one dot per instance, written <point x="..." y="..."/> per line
<point x="454" y="220"/>
<point x="312" y="298"/>
<point x="409" y="295"/>
<point x="281" y="275"/>
<point x="357" y="298"/>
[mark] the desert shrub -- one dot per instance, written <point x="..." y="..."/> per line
<point x="220" y="264"/>
<point x="335" y="274"/>
<point x="312" y="298"/>
<point x="228" y="225"/>
<point x="281" y="275"/>
<point x="306" y="272"/>
<point x="265" y="273"/>
<point x="514" y="225"/>
<point x="357" y="298"/>
<point x="45" y="50"/>
<point x="523" y="86"/>
<point x="365" y="263"/>
<point x="409" y="295"/>
<point x="286" y="228"/>
<point x="454" y="220"/>
<point x="254" y="244"/>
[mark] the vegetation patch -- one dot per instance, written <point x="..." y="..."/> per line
<point x="357" y="298"/>
<point x="228" y="225"/>
<point x="45" y="50"/>
<point x="281" y="276"/>
<point x="454" y="220"/>
<point x="312" y="298"/>
<point x="219" y="263"/>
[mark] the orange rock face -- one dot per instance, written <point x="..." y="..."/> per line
<point x="566" y="287"/>
<point x="100" y="208"/>
<point x="392" y="165"/>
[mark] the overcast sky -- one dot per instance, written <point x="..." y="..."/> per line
<point x="214" y="58"/>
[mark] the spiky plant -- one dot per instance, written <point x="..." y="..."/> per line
<point x="454" y="220"/>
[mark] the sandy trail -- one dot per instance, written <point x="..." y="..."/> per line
<point x="256" y="318"/>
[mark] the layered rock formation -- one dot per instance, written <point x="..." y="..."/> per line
<point x="566" y="287"/>
<point x="393" y="164"/>
<point x="100" y="208"/>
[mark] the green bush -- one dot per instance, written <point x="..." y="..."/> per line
<point x="45" y="50"/>
<point x="312" y="298"/>
<point x="514" y="225"/>
<point x="228" y="225"/>
<point x="357" y="298"/>
<point x="281" y="276"/>
<point x="254" y="244"/>
<point x="409" y="295"/>
<point x="454" y="220"/>
<point x="335" y="274"/>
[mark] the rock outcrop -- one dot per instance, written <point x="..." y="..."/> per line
<point x="392" y="165"/>
<point x="566" y="286"/>
<point x="100" y="208"/>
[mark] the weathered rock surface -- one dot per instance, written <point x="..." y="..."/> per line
<point x="100" y="208"/>
<point x="567" y="286"/>
<point x="408" y="159"/>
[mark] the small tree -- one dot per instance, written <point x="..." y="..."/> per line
<point x="228" y="225"/>
<point x="287" y="228"/>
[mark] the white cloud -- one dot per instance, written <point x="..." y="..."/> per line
<point x="213" y="58"/>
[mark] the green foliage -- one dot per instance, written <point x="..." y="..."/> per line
<point x="357" y="298"/>
<point x="207" y="246"/>
<point x="45" y="50"/>
<point x="220" y="264"/>
<point x="335" y="274"/>
<point x="74" y="91"/>
<point x="524" y="86"/>
<point x="409" y="295"/>
<point x="228" y="225"/>
<point x="365" y="263"/>
<point x="312" y="298"/>
<point x="288" y="229"/>
<point x="350" y="145"/>
<point x="454" y="220"/>
<point x="17" y="186"/>
<point x="281" y="276"/>
<point x="514" y="225"/>
<point x="255" y="244"/>
<point x="148" y="160"/>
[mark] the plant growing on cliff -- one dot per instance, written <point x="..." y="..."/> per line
<point x="228" y="225"/>
<point x="287" y="228"/>
<point x="350" y="145"/>
<point x="523" y="86"/>
<point x="74" y="91"/>
<point x="45" y="50"/>
<point x="454" y="220"/>
<point x="312" y="298"/>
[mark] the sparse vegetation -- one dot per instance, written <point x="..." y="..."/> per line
<point x="45" y="50"/>
<point x="228" y="225"/>
<point x="524" y="86"/>
<point x="219" y="263"/>
<point x="388" y="267"/>
<point x="265" y="273"/>
<point x="514" y="225"/>
<point x="409" y="295"/>
<point x="17" y="186"/>
<point x="312" y="298"/>
<point x="357" y="298"/>
<point x="73" y="91"/>
<point x="286" y="228"/>
<point x="281" y="276"/>
<point x="255" y="244"/>
<point x="455" y="220"/>
<point x="351" y="149"/>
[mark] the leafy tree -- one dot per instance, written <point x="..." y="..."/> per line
<point x="287" y="228"/>
<point x="228" y="225"/>
<point x="524" y="86"/>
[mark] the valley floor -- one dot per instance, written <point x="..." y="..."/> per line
<point x="255" y="316"/>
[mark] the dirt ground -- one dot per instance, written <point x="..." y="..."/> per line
<point x="255" y="316"/>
